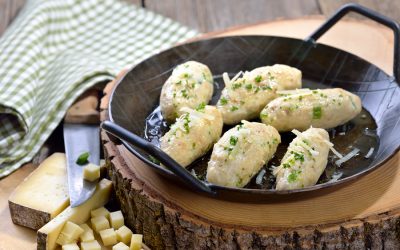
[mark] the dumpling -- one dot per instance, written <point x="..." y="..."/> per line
<point x="321" y="108"/>
<point x="304" y="161"/>
<point x="241" y="152"/>
<point x="244" y="98"/>
<point x="189" y="85"/>
<point x="193" y="134"/>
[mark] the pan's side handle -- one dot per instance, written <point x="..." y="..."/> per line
<point x="156" y="152"/>
<point x="372" y="15"/>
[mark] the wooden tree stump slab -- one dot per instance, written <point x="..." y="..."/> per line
<point x="363" y="214"/>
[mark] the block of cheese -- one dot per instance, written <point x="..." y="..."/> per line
<point x="136" y="242"/>
<point x="72" y="246"/>
<point x="42" y="195"/>
<point x="91" y="172"/>
<point x="120" y="246"/>
<point x="116" y="219"/>
<point x="108" y="236"/>
<point x="69" y="234"/>
<point x="101" y="211"/>
<point x="90" y="245"/>
<point x="47" y="235"/>
<point x="99" y="223"/>
<point x="87" y="234"/>
<point x="124" y="234"/>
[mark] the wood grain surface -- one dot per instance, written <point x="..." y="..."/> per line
<point x="363" y="214"/>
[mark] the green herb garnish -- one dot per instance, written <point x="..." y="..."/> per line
<point x="266" y="88"/>
<point x="233" y="140"/>
<point x="249" y="86"/>
<point x="234" y="108"/>
<point x="83" y="158"/>
<point x="223" y="101"/>
<point x="317" y="112"/>
<point x="258" y="78"/>
<point x="263" y="116"/>
<point x="286" y="165"/>
<point x="184" y="93"/>
<point x="186" y="123"/>
<point x="201" y="107"/>
<point x="236" y="85"/>
<point x="293" y="176"/>
<point x="298" y="156"/>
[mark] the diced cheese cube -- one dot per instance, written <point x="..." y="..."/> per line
<point x="124" y="234"/>
<point x="101" y="211"/>
<point x="72" y="230"/>
<point x="100" y="223"/>
<point x="91" y="172"/>
<point x="85" y="227"/>
<point x="116" y="219"/>
<point x="72" y="246"/>
<point x="63" y="239"/>
<point x="108" y="236"/>
<point x="90" y="245"/>
<point x="136" y="242"/>
<point x="120" y="246"/>
<point x="88" y="234"/>
<point x="69" y="233"/>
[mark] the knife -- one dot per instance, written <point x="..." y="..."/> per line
<point x="81" y="135"/>
<point x="78" y="139"/>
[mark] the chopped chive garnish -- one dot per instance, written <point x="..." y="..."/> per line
<point x="258" y="78"/>
<point x="317" y="112"/>
<point x="233" y="140"/>
<point x="234" y="108"/>
<point x="293" y="176"/>
<point x="236" y="85"/>
<point x="223" y="101"/>
<point x="201" y="107"/>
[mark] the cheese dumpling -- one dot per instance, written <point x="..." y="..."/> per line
<point x="304" y="161"/>
<point x="321" y="108"/>
<point x="241" y="152"/>
<point x="243" y="98"/>
<point x="193" y="134"/>
<point x="189" y="85"/>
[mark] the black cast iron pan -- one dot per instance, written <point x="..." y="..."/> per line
<point x="137" y="121"/>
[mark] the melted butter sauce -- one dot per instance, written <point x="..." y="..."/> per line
<point x="359" y="132"/>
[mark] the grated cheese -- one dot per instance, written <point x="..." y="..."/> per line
<point x="260" y="176"/>
<point x="197" y="114"/>
<point x="347" y="157"/>
<point x="226" y="79"/>
<point x="370" y="152"/>
<point x="237" y="76"/>
<point x="293" y="91"/>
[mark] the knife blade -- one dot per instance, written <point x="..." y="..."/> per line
<point x="78" y="139"/>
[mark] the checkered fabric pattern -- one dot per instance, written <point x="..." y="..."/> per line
<point x="55" y="50"/>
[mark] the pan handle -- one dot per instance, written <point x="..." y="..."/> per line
<point x="352" y="7"/>
<point x="156" y="152"/>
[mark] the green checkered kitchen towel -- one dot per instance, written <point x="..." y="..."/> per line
<point x="54" y="51"/>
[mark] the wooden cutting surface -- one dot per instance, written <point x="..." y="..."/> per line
<point x="365" y="39"/>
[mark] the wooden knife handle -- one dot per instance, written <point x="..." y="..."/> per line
<point x="85" y="109"/>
